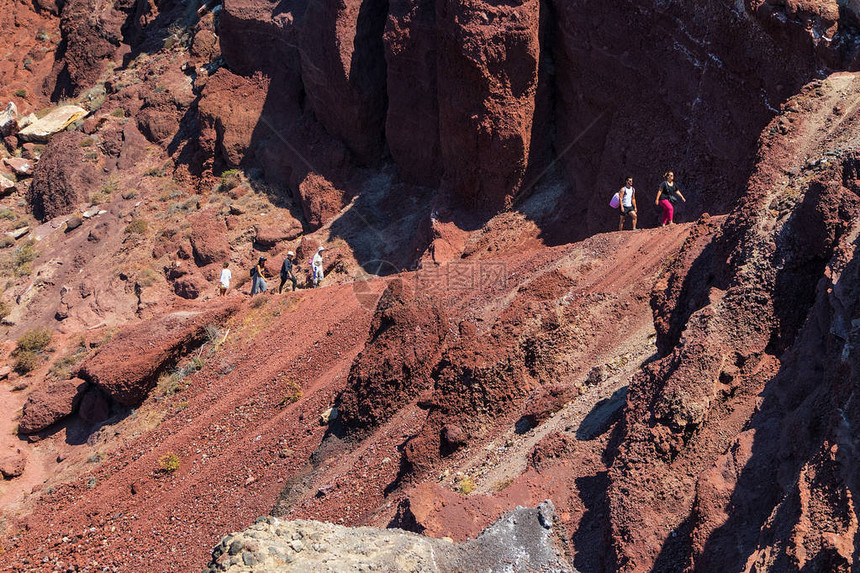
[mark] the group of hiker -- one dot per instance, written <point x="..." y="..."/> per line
<point x="288" y="268"/>
<point x="668" y="195"/>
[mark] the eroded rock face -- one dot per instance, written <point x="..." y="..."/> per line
<point x="343" y="71"/>
<point x="477" y="98"/>
<point x="488" y="76"/>
<point x="412" y="120"/>
<point x="719" y="441"/>
<point x="230" y="110"/>
<point x="61" y="179"/>
<point x="523" y="540"/>
<point x="404" y="342"/>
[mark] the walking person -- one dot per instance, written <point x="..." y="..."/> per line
<point x="627" y="203"/>
<point x="258" y="283"/>
<point x="224" y="281"/>
<point x="287" y="271"/>
<point x="667" y="197"/>
<point x="317" y="267"/>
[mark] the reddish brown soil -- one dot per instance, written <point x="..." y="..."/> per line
<point x="684" y="395"/>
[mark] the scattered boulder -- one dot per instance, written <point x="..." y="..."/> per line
<point x="19" y="165"/>
<point x="189" y="286"/>
<point x="56" y="121"/>
<point x="209" y="238"/>
<point x="328" y="416"/>
<point x="546" y="401"/>
<point x="18" y="233"/>
<point x="12" y="465"/>
<point x="403" y="345"/>
<point x="321" y="200"/>
<point x="269" y="236"/>
<point x="127" y="367"/>
<point x="73" y="223"/>
<point x="50" y="405"/>
<point x="6" y="184"/>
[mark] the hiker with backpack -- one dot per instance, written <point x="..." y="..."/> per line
<point x="258" y="283"/>
<point x="627" y="203"/>
<point x="287" y="271"/>
<point x="668" y="196"/>
<point x="317" y="267"/>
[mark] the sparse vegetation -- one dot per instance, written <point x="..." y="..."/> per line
<point x="26" y="362"/>
<point x="168" y="463"/>
<point x="6" y="242"/>
<point x="137" y="227"/>
<point x="4" y="309"/>
<point x="118" y="112"/>
<point x="293" y="393"/>
<point x="229" y="180"/>
<point x="42" y="36"/>
<point x="466" y="485"/>
<point x="27" y="64"/>
<point x="30" y="349"/>
<point x="62" y="368"/>
<point x="94" y="458"/>
<point x="87" y="142"/>
<point x="147" y="278"/>
<point x="129" y="194"/>
<point x="24" y="256"/>
<point x="35" y="340"/>
<point x="259" y="301"/>
<point x="99" y="197"/>
<point x="7" y="214"/>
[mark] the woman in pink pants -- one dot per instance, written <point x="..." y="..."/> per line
<point x="667" y="196"/>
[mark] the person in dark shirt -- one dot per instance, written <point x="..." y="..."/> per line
<point x="667" y="196"/>
<point x="287" y="271"/>
<point x="258" y="283"/>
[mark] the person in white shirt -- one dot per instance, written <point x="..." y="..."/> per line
<point x="627" y="206"/>
<point x="317" y="267"/>
<point x="226" y="276"/>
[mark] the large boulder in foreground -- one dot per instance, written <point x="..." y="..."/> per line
<point x="127" y="367"/>
<point x="46" y="407"/>
<point x="525" y="539"/>
<point x="61" y="179"/>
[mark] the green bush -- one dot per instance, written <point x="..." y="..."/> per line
<point x="26" y="361"/>
<point x="35" y="340"/>
<point x="20" y="93"/>
<point x="168" y="463"/>
<point x="6" y="242"/>
<point x="4" y="309"/>
<point x="229" y="180"/>
<point x="118" y="112"/>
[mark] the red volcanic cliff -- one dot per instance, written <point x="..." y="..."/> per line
<point x="484" y="338"/>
